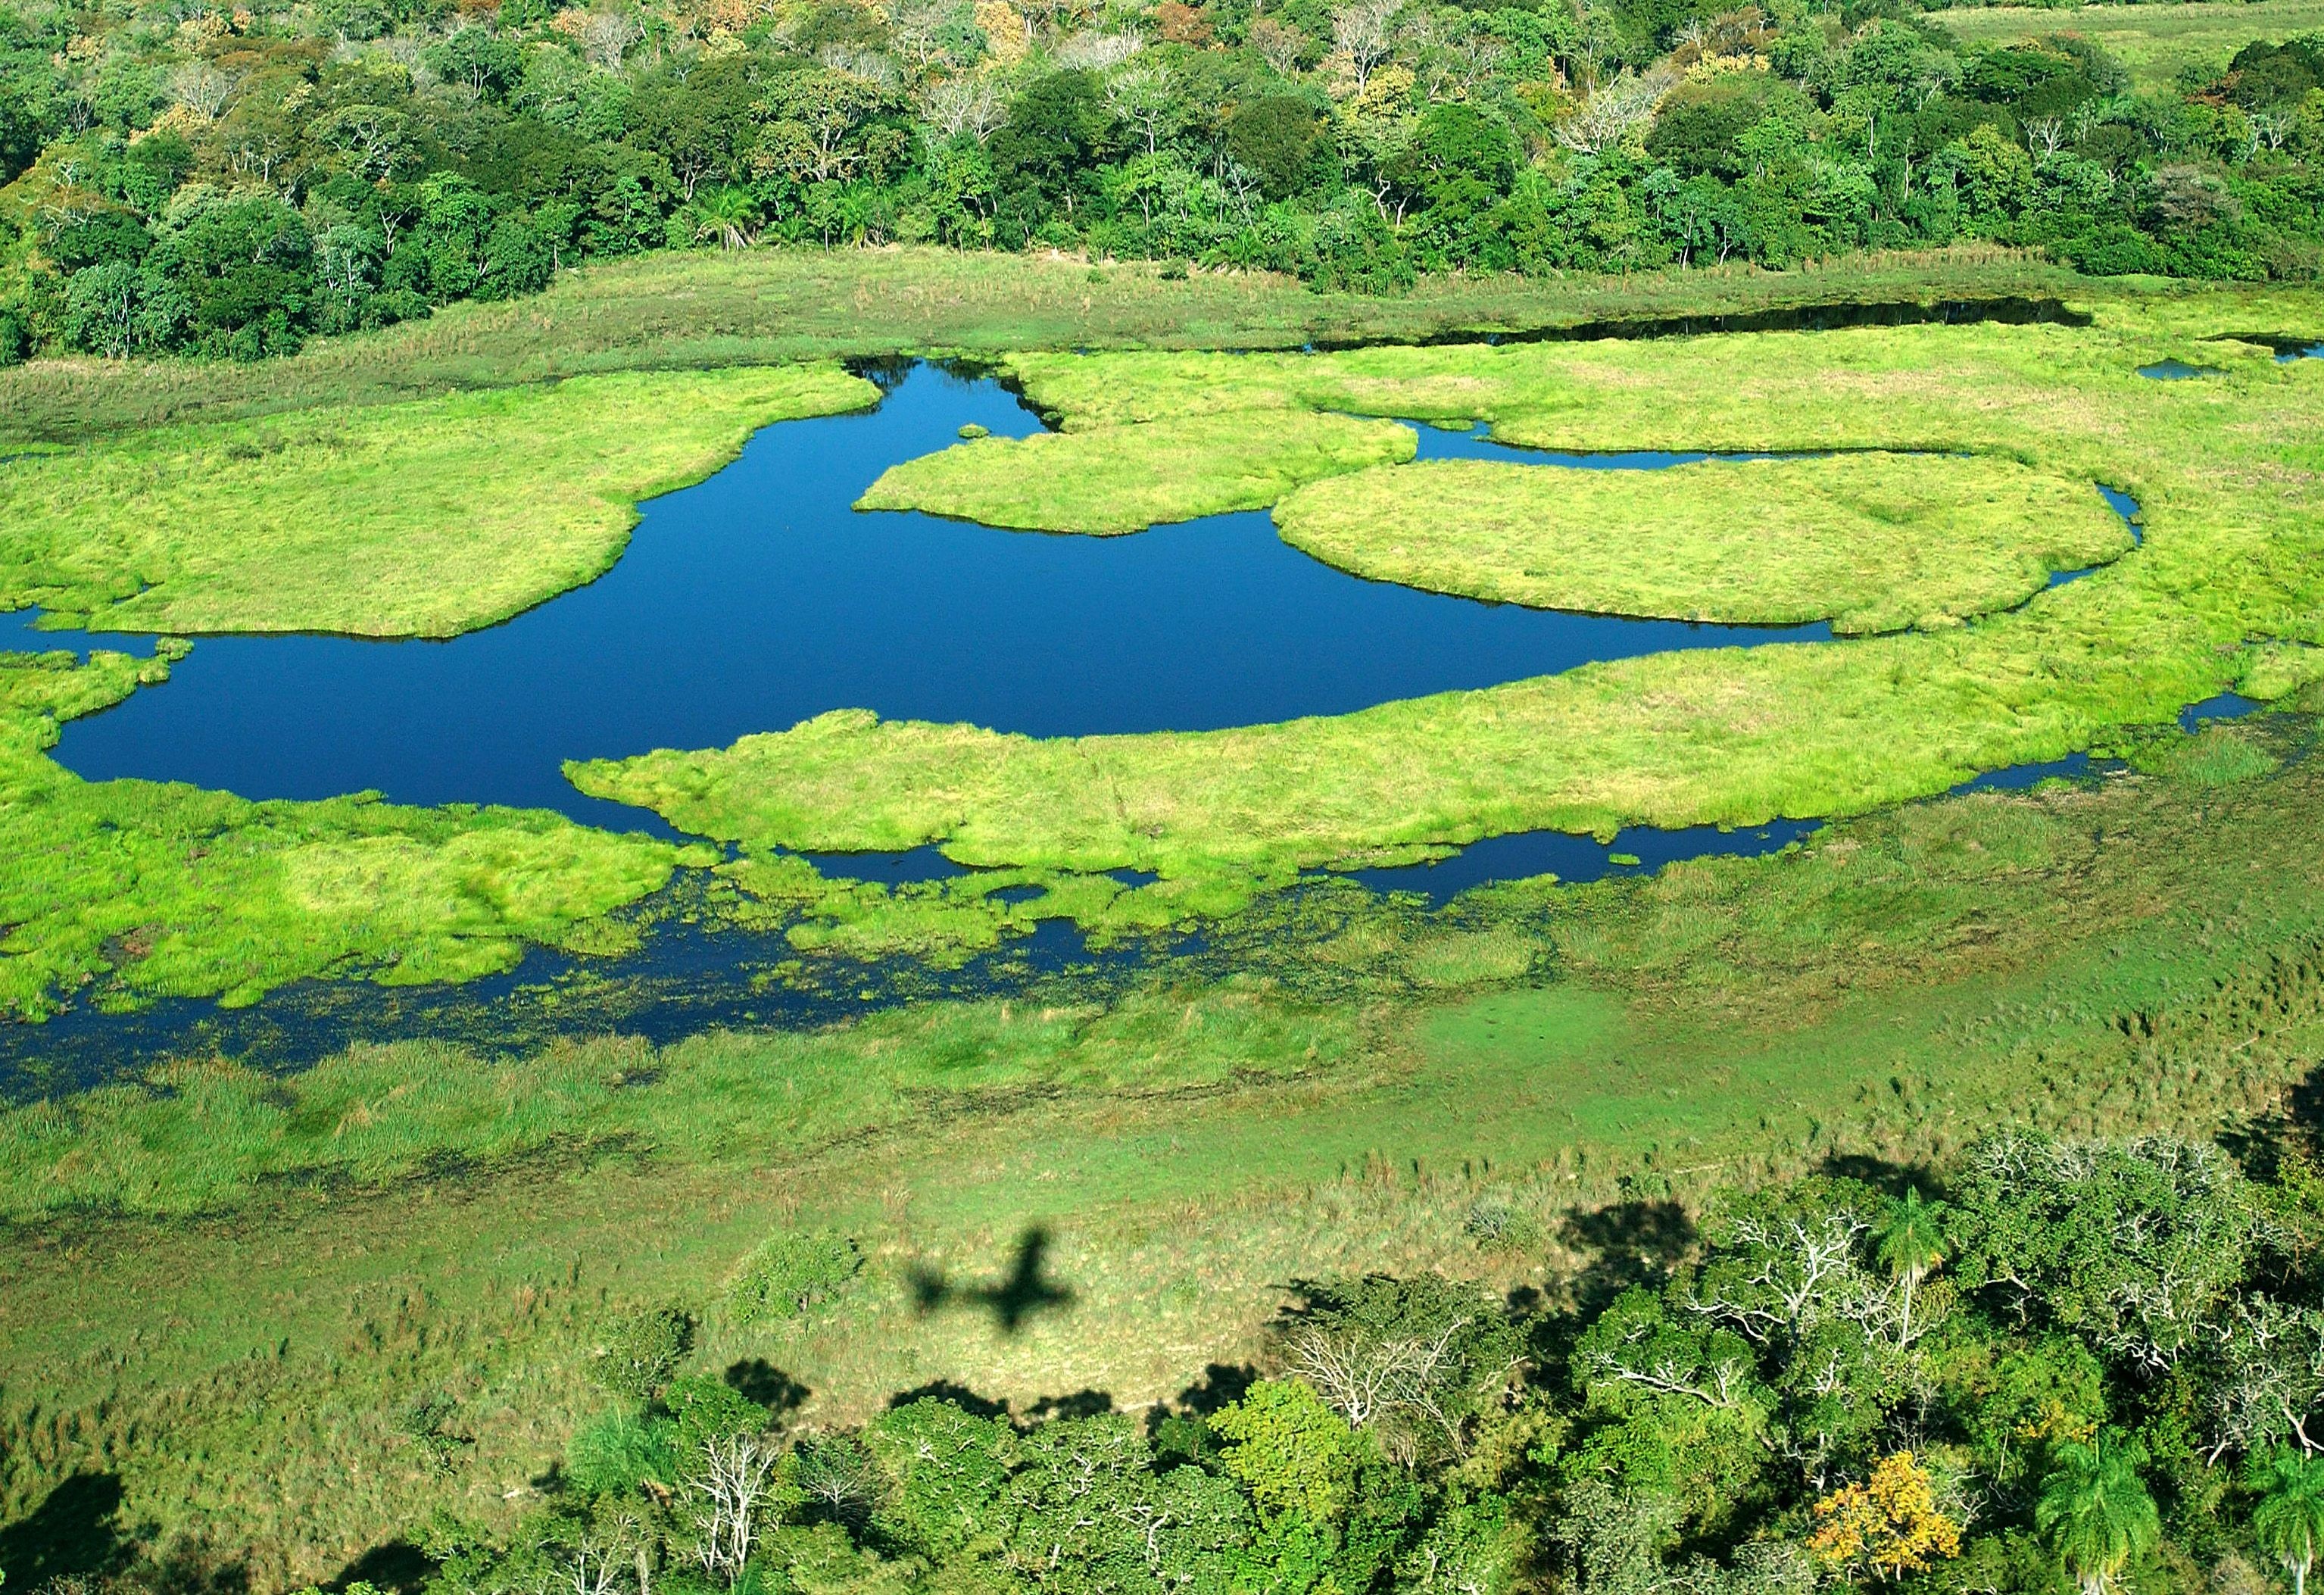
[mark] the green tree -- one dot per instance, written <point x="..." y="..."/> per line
<point x="2288" y="1522"/>
<point x="2096" y="1512"/>
<point x="1912" y="1244"/>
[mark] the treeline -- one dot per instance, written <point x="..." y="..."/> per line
<point x="2091" y="1364"/>
<point x="183" y="176"/>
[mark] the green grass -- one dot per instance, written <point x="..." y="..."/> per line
<point x="2227" y="471"/>
<point x="117" y="892"/>
<point x="425" y="519"/>
<point x="412" y="1220"/>
<point x="1125" y="479"/>
<point x="698" y="311"/>
<point x="1873" y="542"/>
<point x="2156" y="43"/>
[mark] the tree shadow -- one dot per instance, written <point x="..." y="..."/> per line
<point x="192" y="1565"/>
<point x="1888" y="1178"/>
<point x="75" y="1533"/>
<point x="1629" y="1244"/>
<point x="1221" y="1385"/>
<point x="960" y="1396"/>
<point x="757" y="1379"/>
<point x="1078" y="1404"/>
<point x="2292" y="1134"/>
<point x="1022" y="1292"/>
<point x="398" y="1566"/>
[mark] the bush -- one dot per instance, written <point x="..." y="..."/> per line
<point x="642" y="1351"/>
<point x="790" y="1274"/>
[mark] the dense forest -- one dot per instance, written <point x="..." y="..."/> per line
<point x="181" y="176"/>
<point x="2074" y="1364"/>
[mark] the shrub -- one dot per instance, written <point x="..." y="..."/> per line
<point x="642" y="1351"/>
<point x="790" y="1274"/>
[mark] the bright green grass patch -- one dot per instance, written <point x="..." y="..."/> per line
<point x="2156" y="41"/>
<point x="1873" y="542"/>
<point x="127" y="890"/>
<point x="422" y="519"/>
<point x="1124" y="479"/>
<point x="2228" y="472"/>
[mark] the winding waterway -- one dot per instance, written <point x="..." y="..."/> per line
<point x="760" y="597"/>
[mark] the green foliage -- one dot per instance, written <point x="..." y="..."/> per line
<point x="620" y="1454"/>
<point x="2288" y="1518"/>
<point x="2095" y="1511"/>
<point x="642" y="1352"/>
<point x="1290" y="1451"/>
<point x="947" y="1467"/>
<point x="789" y="1274"/>
<point x="2131" y="1246"/>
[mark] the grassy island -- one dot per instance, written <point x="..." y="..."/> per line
<point x="1124" y="479"/>
<point x="1872" y="542"/>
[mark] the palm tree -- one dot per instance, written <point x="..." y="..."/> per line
<point x="2096" y="1512"/>
<point x="2289" y="1521"/>
<point x="728" y="215"/>
<point x="1912" y="1243"/>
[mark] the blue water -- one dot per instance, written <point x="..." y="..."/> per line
<point x="758" y="598"/>
<point x="2226" y="705"/>
<point x="1574" y="860"/>
<point x="2177" y="371"/>
<point x="2285" y="357"/>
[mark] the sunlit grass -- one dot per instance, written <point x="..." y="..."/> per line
<point x="425" y="519"/>
<point x="2156" y="41"/>
<point x="1873" y="542"/>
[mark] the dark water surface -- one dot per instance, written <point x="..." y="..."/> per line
<point x="758" y="598"/>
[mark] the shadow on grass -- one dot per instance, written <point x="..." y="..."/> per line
<point x="76" y="1532"/>
<point x="1025" y="1290"/>
<point x="757" y="1379"/>
<point x="399" y="1567"/>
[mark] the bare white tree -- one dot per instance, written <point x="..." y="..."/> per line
<point x="608" y="35"/>
<point x="1279" y="44"/>
<point x="585" y="1569"/>
<point x="737" y="1471"/>
<point x="1098" y="53"/>
<point x="2045" y="136"/>
<point x="1145" y="96"/>
<point x="201" y="86"/>
<point x="964" y="105"/>
<point x="1365" y="31"/>
<point x="1614" y="113"/>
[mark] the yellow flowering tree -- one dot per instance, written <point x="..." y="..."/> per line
<point x="1888" y="1525"/>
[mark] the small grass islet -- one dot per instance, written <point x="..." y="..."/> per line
<point x="1872" y="542"/>
<point x="422" y="519"/>
<point x="1122" y="479"/>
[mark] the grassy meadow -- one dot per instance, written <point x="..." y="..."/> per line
<point x="692" y="311"/>
<point x="1872" y="542"/>
<point x="421" y="519"/>
<point x="310" y="1255"/>
<point x="2156" y="43"/>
